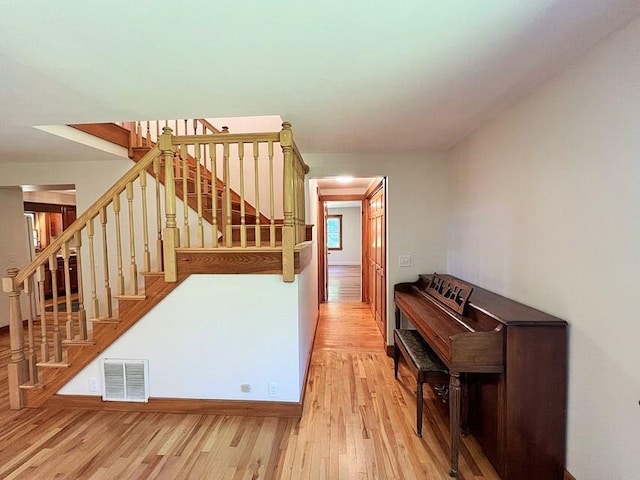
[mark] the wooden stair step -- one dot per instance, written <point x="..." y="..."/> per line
<point x="78" y="342"/>
<point x="139" y="152"/>
<point x="52" y="364"/>
<point x="31" y="386"/>
<point x="152" y="274"/>
<point x="104" y="320"/>
<point x="138" y="297"/>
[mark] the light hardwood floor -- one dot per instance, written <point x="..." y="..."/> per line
<point x="344" y="283"/>
<point x="358" y="423"/>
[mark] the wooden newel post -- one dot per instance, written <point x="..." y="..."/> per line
<point x="171" y="233"/>
<point x="288" y="227"/>
<point x="17" y="367"/>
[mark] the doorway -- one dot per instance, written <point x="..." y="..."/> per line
<point x="344" y="251"/>
<point x="342" y="277"/>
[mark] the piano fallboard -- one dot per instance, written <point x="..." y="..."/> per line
<point x="459" y="346"/>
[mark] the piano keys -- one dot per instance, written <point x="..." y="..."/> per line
<point x="512" y="362"/>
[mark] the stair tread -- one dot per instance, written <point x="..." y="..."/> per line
<point x="52" y="364"/>
<point x="88" y="341"/>
<point x="151" y="274"/>
<point x="105" y="320"/>
<point x="30" y="385"/>
<point x="139" y="296"/>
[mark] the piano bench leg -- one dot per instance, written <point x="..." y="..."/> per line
<point x="420" y="404"/>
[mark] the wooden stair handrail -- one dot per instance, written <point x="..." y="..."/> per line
<point x="208" y="124"/>
<point x="91" y="212"/>
<point x="226" y="138"/>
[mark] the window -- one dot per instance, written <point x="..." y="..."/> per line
<point x="334" y="232"/>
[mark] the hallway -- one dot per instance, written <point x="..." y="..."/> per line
<point x="358" y="423"/>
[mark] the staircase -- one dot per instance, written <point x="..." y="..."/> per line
<point x="139" y="138"/>
<point x="171" y="215"/>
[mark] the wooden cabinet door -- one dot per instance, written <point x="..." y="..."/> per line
<point x="48" y="290"/>
<point x="377" y="258"/>
<point x="68" y="216"/>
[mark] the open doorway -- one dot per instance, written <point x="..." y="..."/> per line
<point x="359" y="206"/>
<point x="48" y="211"/>
<point x="344" y="251"/>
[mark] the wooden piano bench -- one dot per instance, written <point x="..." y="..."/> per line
<point x="423" y="363"/>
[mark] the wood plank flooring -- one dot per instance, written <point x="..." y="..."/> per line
<point x="344" y="283"/>
<point x="358" y="423"/>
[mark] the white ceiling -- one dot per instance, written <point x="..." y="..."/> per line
<point x="350" y="75"/>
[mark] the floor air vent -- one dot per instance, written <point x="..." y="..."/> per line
<point x="125" y="380"/>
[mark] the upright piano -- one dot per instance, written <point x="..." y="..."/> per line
<point x="508" y="365"/>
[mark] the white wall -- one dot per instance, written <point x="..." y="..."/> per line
<point x="417" y="207"/>
<point x="545" y="211"/>
<point x="351" y="253"/>
<point x="307" y="316"/>
<point x="14" y="251"/>
<point x="308" y="289"/>
<point x="91" y="178"/>
<point x="206" y="339"/>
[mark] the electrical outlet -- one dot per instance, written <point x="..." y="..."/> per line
<point x="93" y="384"/>
<point x="404" y="260"/>
<point x="245" y="388"/>
<point x="273" y="389"/>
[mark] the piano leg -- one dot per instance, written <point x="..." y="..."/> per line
<point x="454" y="419"/>
<point x="464" y="407"/>
<point x="420" y="402"/>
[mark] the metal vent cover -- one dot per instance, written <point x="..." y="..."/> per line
<point x="125" y="380"/>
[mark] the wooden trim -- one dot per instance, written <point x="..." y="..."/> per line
<point x="240" y="261"/>
<point x="339" y="217"/>
<point x="322" y="258"/>
<point x="306" y="373"/>
<point x="44" y="207"/>
<point x="303" y="255"/>
<point x="180" y="405"/>
<point x="230" y="261"/>
<point x="364" y="236"/>
<point x="107" y="131"/>
<point x="568" y="476"/>
<point x="226" y="138"/>
<point x="338" y="198"/>
<point x="389" y="349"/>
<point x="209" y="125"/>
<point x="374" y="188"/>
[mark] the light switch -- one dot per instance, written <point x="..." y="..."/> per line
<point x="404" y="260"/>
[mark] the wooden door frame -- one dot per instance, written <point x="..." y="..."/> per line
<point x="322" y="249"/>
<point x="322" y="253"/>
<point x="366" y="246"/>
